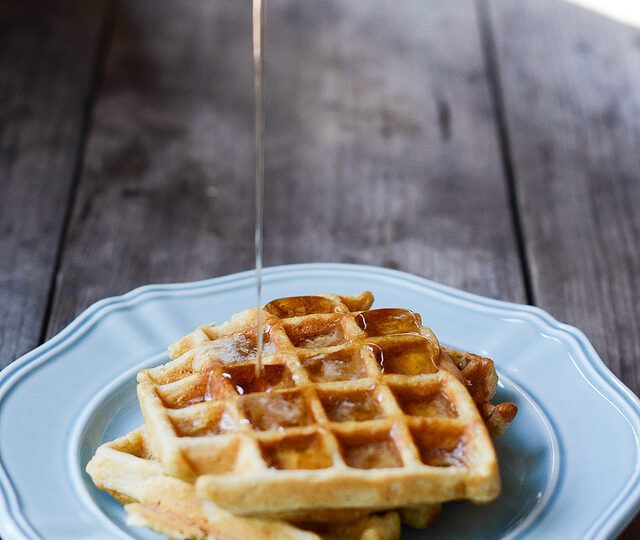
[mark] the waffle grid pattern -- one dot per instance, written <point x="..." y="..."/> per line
<point x="126" y="468"/>
<point x="351" y="401"/>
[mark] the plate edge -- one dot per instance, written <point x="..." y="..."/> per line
<point x="614" y="517"/>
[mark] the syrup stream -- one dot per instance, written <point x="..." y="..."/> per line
<point x="258" y="73"/>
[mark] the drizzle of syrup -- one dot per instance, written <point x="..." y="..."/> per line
<point x="258" y="79"/>
<point x="387" y="321"/>
<point x="408" y="355"/>
<point x="208" y="394"/>
<point x="244" y="380"/>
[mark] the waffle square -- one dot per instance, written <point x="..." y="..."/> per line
<point x="352" y="411"/>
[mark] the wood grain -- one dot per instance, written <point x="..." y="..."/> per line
<point x="166" y="193"/>
<point x="380" y="121"/>
<point x="44" y="86"/>
<point x="384" y="146"/>
<point x="572" y="101"/>
<point x="379" y="126"/>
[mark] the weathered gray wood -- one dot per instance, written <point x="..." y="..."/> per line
<point x="382" y="137"/>
<point x="381" y="148"/>
<point x="572" y="97"/>
<point x="47" y="54"/>
<point x="571" y="86"/>
<point x="166" y="193"/>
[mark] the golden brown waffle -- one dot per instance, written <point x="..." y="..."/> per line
<point x="479" y="375"/>
<point x="352" y="411"/>
<point x="476" y="372"/>
<point x="126" y="469"/>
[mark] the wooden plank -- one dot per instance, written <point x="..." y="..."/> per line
<point x="44" y="85"/>
<point x="571" y="86"/>
<point x="572" y="99"/>
<point x="382" y="128"/>
<point x="381" y="148"/>
<point x="166" y="193"/>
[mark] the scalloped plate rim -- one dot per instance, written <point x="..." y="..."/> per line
<point x="618" y="513"/>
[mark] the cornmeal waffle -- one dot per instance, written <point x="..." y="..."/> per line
<point x="352" y="411"/>
<point x="169" y="506"/>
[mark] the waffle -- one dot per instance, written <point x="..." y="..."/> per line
<point x="126" y="469"/>
<point x="476" y="372"/>
<point x="352" y="411"/>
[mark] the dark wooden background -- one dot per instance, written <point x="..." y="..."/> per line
<point x="492" y="145"/>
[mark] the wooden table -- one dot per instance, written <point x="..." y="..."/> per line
<point x="491" y="145"/>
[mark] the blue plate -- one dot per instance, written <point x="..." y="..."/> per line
<point x="569" y="462"/>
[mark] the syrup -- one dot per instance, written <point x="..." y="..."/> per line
<point x="340" y="365"/>
<point x="387" y="321"/>
<point x="356" y="407"/>
<point x="244" y="380"/>
<point x="208" y="394"/>
<point x="258" y="79"/>
<point x="408" y="355"/>
<point x="381" y="454"/>
<point x="276" y="411"/>
<point x="298" y="452"/>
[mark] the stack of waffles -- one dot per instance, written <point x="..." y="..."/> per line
<point x="359" y="420"/>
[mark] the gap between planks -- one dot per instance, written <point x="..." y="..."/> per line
<point x="502" y="134"/>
